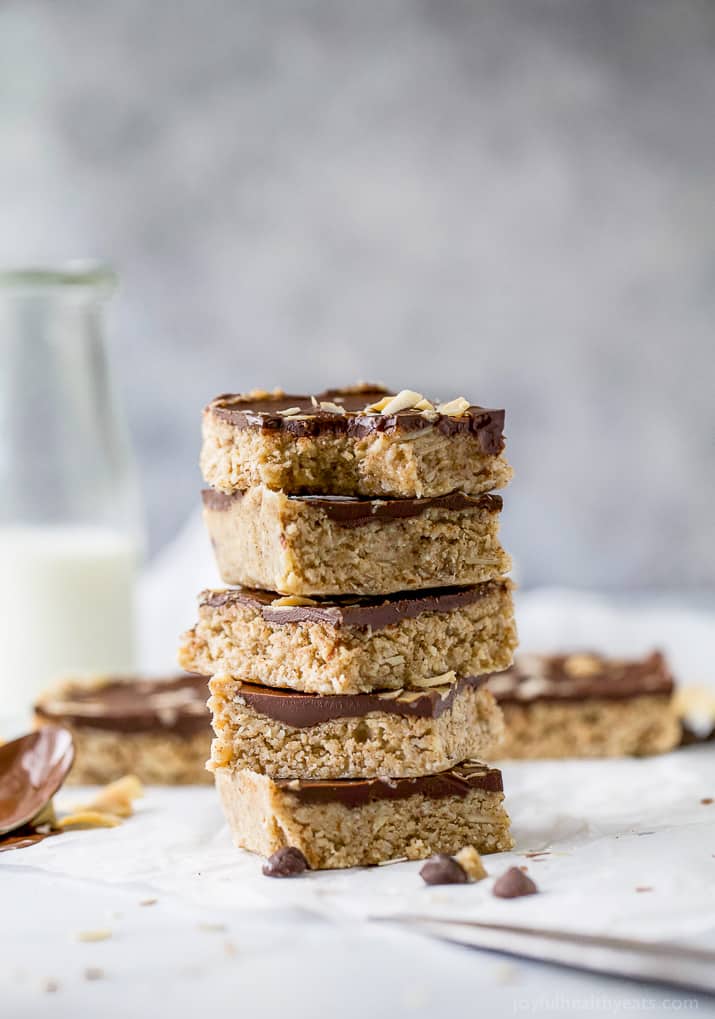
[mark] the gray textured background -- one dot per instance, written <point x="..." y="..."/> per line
<point x="510" y="200"/>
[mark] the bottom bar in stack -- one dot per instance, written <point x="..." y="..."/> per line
<point x="357" y="822"/>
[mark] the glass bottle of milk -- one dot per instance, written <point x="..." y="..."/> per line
<point x="70" y="520"/>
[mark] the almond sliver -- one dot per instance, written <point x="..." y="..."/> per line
<point x="89" y="819"/>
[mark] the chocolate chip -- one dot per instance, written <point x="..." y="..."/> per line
<point x="443" y="870"/>
<point x="513" y="883"/>
<point x="286" y="862"/>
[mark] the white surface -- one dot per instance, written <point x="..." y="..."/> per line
<point x="303" y="947"/>
<point x="160" y="962"/>
<point x="609" y="827"/>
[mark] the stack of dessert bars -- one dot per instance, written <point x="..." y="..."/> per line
<point x="347" y="662"/>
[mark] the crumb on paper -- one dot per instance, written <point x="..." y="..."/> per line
<point x="102" y="934"/>
<point x="471" y="863"/>
<point x="109" y="808"/>
<point x="88" y="819"/>
<point x="506" y="973"/>
<point x="644" y="888"/>
<point x="212" y="928"/>
<point x="148" y="902"/>
<point x="118" y="797"/>
<point x="93" y="973"/>
<point x="230" y="949"/>
<point x="706" y="801"/>
<point x="50" y="986"/>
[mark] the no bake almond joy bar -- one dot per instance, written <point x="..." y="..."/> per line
<point x="347" y="663"/>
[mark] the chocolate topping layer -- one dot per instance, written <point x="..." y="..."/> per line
<point x="459" y="781"/>
<point x="301" y="710"/>
<point x="261" y="410"/>
<point x="578" y="676"/>
<point x="353" y="512"/>
<point x="32" y="769"/>
<point x="132" y="705"/>
<point x="375" y="613"/>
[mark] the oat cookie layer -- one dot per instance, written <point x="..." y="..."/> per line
<point x="404" y="733"/>
<point x="333" y="545"/>
<point x="343" y="646"/>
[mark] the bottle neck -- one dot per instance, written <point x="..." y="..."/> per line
<point x="64" y="451"/>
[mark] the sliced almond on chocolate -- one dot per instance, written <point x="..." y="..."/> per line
<point x="291" y="600"/>
<point x="379" y="406"/>
<point x="406" y="399"/>
<point x="454" y="408"/>
<point x="427" y="681"/>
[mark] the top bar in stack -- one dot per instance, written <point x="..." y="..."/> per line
<point x="358" y="441"/>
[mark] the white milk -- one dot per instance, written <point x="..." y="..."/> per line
<point x="66" y="604"/>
